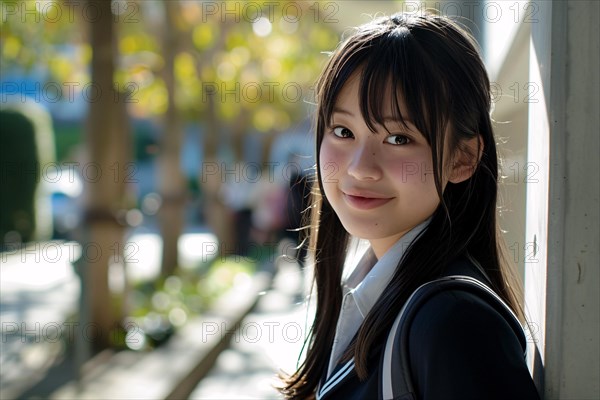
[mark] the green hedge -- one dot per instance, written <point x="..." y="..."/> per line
<point x="26" y="146"/>
<point x="20" y="175"/>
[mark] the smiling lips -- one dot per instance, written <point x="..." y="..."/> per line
<point x="365" y="201"/>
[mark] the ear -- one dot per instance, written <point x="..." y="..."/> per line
<point x="466" y="159"/>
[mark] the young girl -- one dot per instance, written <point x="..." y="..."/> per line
<point x="406" y="159"/>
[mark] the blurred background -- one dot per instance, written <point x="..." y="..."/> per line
<point x="154" y="157"/>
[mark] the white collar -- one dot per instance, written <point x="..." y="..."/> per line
<point x="358" y="301"/>
<point x="370" y="288"/>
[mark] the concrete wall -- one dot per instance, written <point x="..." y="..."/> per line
<point x="510" y="115"/>
<point x="562" y="289"/>
<point x="543" y="59"/>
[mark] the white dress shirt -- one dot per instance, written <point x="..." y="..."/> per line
<point x="362" y="289"/>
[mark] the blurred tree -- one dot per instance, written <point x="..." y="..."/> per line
<point x="238" y="69"/>
<point x="172" y="184"/>
<point x="64" y="52"/>
<point x="108" y="147"/>
<point x="247" y="69"/>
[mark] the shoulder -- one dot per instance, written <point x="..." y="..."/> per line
<point x="459" y="344"/>
<point x="464" y="265"/>
<point x="465" y="310"/>
<point x="462" y="314"/>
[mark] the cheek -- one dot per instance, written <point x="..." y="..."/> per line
<point x="330" y="162"/>
<point x="416" y="171"/>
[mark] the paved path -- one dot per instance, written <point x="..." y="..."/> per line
<point x="38" y="290"/>
<point x="269" y="340"/>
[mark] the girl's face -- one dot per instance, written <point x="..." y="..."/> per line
<point x="380" y="184"/>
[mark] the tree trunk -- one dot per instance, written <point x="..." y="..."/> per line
<point x="172" y="184"/>
<point x="211" y="177"/>
<point x="104" y="179"/>
<point x="218" y="216"/>
<point x="268" y="141"/>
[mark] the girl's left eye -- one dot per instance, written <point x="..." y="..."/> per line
<point x="397" y="139"/>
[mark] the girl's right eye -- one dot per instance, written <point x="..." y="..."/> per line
<point x="342" y="132"/>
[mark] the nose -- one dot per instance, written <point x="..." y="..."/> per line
<point x="364" y="164"/>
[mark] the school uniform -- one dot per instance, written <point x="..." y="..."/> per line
<point x="460" y="346"/>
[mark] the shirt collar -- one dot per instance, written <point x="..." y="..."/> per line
<point x="370" y="288"/>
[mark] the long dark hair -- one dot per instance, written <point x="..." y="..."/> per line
<point x="435" y="66"/>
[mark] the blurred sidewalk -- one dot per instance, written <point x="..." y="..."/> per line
<point x="268" y="341"/>
<point x="39" y="292"/>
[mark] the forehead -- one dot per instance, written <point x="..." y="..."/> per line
<point x="353" y="99"/>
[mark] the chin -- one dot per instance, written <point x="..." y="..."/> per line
<point x="367" y="233"/>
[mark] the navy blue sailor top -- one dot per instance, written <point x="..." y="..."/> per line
<point x="460" y="348"/>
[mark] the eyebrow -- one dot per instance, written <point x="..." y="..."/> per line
<point x="385" y="119"/>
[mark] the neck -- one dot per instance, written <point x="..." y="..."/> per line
<point x="382" y="245"/>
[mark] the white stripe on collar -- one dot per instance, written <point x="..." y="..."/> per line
<point x="336" y="378"/>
